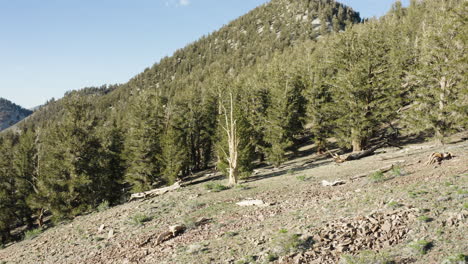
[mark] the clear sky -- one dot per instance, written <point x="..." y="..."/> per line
<point x="48" y="47"/>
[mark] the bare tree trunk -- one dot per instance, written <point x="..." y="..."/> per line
<point x="233" y="142"/>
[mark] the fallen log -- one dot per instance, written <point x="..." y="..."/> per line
<point x="437" y="157"/>
<point x="335" y="183"/>
<point x="356" y="155"/>
<point x="155" y="192"/>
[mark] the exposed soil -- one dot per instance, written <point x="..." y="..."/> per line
<point x="303" y="222"/>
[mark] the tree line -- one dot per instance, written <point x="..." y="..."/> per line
<point x="405" y="71"/>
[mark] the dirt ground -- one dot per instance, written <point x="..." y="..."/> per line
<point x="414" y="213"/>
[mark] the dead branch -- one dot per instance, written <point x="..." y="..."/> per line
<point x="357" y="155"/>
<point x="437" y="157"/>
<point x="154" y="192"/>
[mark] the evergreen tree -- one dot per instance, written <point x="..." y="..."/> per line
<point x="365" y="92"/>
<point x="286" y="110"/>
<point x="441" y="94"/>
<point x="25" y="165"/>
<point x="69" y="163"/>
<point x="7" y="189"/>
<point x="143" y="144"/>
<point x="111" y="180"/>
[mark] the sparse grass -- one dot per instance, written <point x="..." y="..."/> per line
<point x="301" y="178"/>
<point x="367" y="257"/>
<point x="242" y="187"/>
<point x="247" y="260"/>
<point x="196" y="205"/>
<point x="231" y="234"/>
<point x="425" y="219"/>
<point x="271" y="257"/>
<point x="415" y="194"/>
<point x="216" y="187"/>
<point x="397" y="171"/>
<point x="456" y="259"/>
<point x="31" y="234"/>
<point x="421" y="247"/>
<point x="103" y="206"/>
<point x="465" y="205"/>
<point x="377" y="176"/>
<point x="285" y="243"/>
<point x="290" y="171"/>
<point x="140" y="219"/>
<point x="394" y="204"/>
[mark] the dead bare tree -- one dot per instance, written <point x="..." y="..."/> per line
<point x="230" y="127"/>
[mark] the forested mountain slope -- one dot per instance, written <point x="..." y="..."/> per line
<point x="11" y="113"/>
<point x="240" y="98"/>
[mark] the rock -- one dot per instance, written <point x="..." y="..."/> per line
<point x="335" y="183"/>
<point x="444" y="198"/>
<point x="101" y="228"/>
<point x="110" y="234"/>
<point x="177" y="229"/>
<point x="194" y="248"/>
<point x="252" y="203"/>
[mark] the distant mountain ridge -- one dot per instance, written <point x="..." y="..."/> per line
<point x="11" y="113"/>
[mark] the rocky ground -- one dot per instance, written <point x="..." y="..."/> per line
<point x="414" y="213"/>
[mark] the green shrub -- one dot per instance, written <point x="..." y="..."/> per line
<point x="140" y="219"/>
<point x="424" y="219"/>
<point x="394" y="204"/>
<point x="456" y="259"/>
<point x="285" y="243"/>
<point x="215" y="187"/>
<point x="377" y="176"/>
<point x="103" y="206"/>
<point x="397" y="171"/>
<point x="31" y="234"/>
<point x="421" y="246"/>
<point x="301" y="177"/>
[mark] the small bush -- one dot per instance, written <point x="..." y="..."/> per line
<point x="424" y="219"/>
<point x="215" y="187"/>
<point x="247" y="260"/>
<point x="301" y="177"/>
<point x="397" y="171"/>
<point x="394" y="204"/>
<point x="31" y="234"/>
<point x="377" y="176"/>
<point x="285" y="243"/>
<point x="231" y="234"/>
<point x="140" y="219"/>
<point x="456" y="259"/>
<point x="103" y="206"/>
<point x="421" y="247"/>
<point x="271" y="257"/>
<point x="367" y="257"/>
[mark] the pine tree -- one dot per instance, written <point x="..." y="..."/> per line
<point x="7" y="189"/>
<point x="317" y="79"/>
<point x="69" y="163"/>
<point x="286" y="110"/>
<point x="143" y="144"/>
<point x="111" y="182"/>
<point x="365" y="92"/>
<point x="441" y="95"/>
<point x="25" y="165"/>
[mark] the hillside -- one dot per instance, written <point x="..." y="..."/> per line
<point x="11" y="113"/>
<point x="413" y="202"/>
<point x="256" y="110"/>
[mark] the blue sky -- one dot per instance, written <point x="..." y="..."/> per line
<point x="48" y="47"/>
